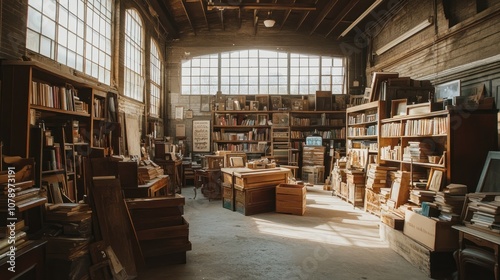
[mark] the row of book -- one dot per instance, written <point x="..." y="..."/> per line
<point x="391" y="129"/>
<point x="58" y="97"/>
<point x="253" y="135"/>
<point x="296" y="121"/>
<point x="363" y="118"/>
<point x="362" y="131"/>
<point x="243" y="147"/>
<point x="247" y="120"/>
<point x="422" y="127"/>
<point x="326" y="134"/>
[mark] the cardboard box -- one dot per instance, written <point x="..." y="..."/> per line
<point x="291" y="199"/>
<point x="434" y="234"/>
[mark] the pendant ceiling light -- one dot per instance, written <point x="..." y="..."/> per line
<point x="269" y="22"/>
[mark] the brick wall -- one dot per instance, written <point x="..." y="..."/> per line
<point x="13" y="28"/>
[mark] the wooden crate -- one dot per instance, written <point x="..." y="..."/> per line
<point x="291" y="199"/>
<point x="356" y="193"/>
<point x="255" y="200"/>
<point x="263" y="179"/>
<point x="344" y="191"/>
<point x="228" y="196"/>
<point x="372" y="202"/>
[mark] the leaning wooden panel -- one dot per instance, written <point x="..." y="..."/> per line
<point x="114" y="222"/>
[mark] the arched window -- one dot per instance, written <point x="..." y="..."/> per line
<point x="134" y="56"/>
<point x="154" y="80"/>
<point x="75" y="33"/>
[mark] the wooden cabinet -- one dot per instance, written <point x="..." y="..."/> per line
<point x="40" y="96"/>
<point x="454" y="141"/>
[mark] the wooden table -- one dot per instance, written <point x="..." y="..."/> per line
<point x="154" y="188"/>
<point x="253" y="190"/>
<point x="485" y="247"/>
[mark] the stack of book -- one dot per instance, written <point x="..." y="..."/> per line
<point x="450" y="201"/>
<point x="377" y="176"/>
<point x="487" y="216"/>
<point x="417" y="151"/>
<point x="26" y="196"/>
<point x="417" y="196"/>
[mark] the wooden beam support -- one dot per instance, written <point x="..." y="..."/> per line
<point x="187" y="15"/>
<point x="261" y="6"/>
<point x="340" y="16"/>
<point x="322" y="16"/>
<point x="306" y="14"/>
<point x="204" y="13"/>
<point x="287" y="14"/>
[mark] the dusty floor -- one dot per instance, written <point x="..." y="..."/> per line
<point x="331" y="241"/>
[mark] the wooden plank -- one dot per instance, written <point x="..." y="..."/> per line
<point x="114" y="224"/>
<point x="156" y="202"/>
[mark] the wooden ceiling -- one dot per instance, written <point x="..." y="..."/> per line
<point x="326" y="18"/>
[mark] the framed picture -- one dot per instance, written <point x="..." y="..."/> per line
<point x="189" y="114"/>
<point x="205" y="103"/>
<point x="230" y="104"/>
<point x="435" y="180"/>
<point x="263" y="100"/>
<point x="201" y="136"/>
<point x="447" y="90"/>
<point x="490" y="175"/>
<point x="254" y="105"/>
<point x="275" y="103"/>
<point x="179" y="112"/>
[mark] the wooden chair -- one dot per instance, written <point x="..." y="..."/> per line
<point x="235" y="162"/>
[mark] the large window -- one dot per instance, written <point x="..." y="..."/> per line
<point x="200" y="75"/>
<point x="154" y="80"/>
<point x="134" y="56"/>
<point x="262" y="72"/>
<point x="76" y="33"/>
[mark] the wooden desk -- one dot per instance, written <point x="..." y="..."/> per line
<point x="154" y="188"/>
<point x="253" y="190"/>
<point x="480" y="241"/>
<point x="172" y="168"/>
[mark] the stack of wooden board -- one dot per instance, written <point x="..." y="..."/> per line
<point x="291" y="199"/>
<point x="162" y="231"/>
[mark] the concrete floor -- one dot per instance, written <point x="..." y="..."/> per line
<point x="331" y="241"/>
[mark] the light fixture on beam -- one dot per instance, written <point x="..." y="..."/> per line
<point x="421" y="26"/>
<point x="361" y="17"/>
<point x="269" y="22"/>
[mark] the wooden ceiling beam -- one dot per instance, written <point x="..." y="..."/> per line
<point x="339" y="18"/>
<point x="204" y="14"/>
<point x="323" y="14"/>
<point x="187" y="15"/>
<point x="287" y="14"/>
<point x="306" y="14"/>
<point x="260" y="6"/>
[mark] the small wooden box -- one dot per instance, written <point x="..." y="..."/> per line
<point x="356" y="193"/>
<point x="291" y="199"/>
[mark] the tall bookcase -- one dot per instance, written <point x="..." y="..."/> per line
<point x="37" y="98"/>
<point x="241" y="131"/>
<point x="363" y="131"/>
<point x="459" y="139"/>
